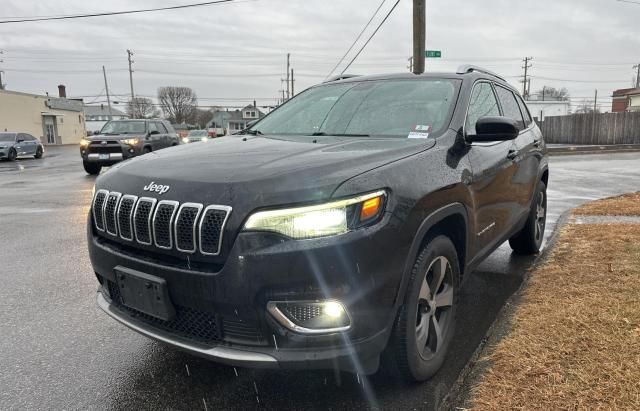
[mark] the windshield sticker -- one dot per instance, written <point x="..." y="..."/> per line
<point x="420" y="131"/>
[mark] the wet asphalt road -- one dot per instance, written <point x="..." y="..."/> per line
<point x="58" y="351"/>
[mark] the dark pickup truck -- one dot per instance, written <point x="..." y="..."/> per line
<point x="333" y="232"/>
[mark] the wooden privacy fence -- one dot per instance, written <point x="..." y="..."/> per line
<point x="605" y="128"/>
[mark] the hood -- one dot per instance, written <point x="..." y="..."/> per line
<point x="253" y="172"/>
<point x="100" y="137"/>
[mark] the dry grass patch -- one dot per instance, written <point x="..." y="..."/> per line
<point x="575" y="338"/>
<point x="626" y="204"/>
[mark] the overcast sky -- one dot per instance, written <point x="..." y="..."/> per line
<point x="234" y="53"/>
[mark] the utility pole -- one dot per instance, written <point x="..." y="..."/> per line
<point x="419" y="34"/>
<point x="1" y="72"/>
<point x="288" y="95"/>
<point x="526" y="68"/>
<point x="106" y="87"/>
<point x="129" y="55"/>
<point x="595" y="103"/>
<point x="637" y="67"/>
<point x="292" y="89"/>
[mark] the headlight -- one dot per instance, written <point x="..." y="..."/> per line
<point x="131" y="141"/>
<point x="84" y="142"/>
<point x="203" y="139"/>
<point x="185" y="139"/>
<point x="336" y="217"/>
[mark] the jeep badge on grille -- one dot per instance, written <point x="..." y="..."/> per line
<point x="158" y="188"/>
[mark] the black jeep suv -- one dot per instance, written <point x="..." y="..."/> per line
<point x="337" y="228"/>
<point x="122" y="139"/>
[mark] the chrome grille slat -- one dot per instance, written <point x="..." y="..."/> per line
<point x="211" y="229"/>
<point x="166" y="224"/>
<point x="125" y="213"/>
<point x="163" y="222"/>
<point x="142" y="219"/>
<point x="98" y="202"/>
<point x="109" y="210"/>
<point x="185" y="227"/>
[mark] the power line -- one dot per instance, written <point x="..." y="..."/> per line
<point x="371" y="37"/>
<point x="113" y="13"/>
<point x="356" y="40"/>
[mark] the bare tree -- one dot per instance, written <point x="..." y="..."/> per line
<point x="552" y="93"/>
<point x="179" y="104"/>
<point x="141" y="107"/>
<point x="586" y="106"/>
<point x="203" y="117"/>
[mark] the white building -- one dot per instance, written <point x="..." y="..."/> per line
<point x="541" y="109"/>
<point x="97" y="116"/>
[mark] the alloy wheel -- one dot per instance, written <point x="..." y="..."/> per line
<point x="434" y="314"/>
<point x="541" y="216"/>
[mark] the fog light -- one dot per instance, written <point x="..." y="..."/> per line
<point x="311" y="317"/>
<point x="333" y="309"/>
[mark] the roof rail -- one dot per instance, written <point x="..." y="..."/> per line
<point x="468" y="68"/>
<point x="341" y="77"/>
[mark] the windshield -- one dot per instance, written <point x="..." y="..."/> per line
<point x="124" y="127"/>
<point x="369" y="108"/>
<point x="7" y="136"/>
<point x="198" y="133"/>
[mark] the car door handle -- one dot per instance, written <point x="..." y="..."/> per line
<point x="512" y="154"/>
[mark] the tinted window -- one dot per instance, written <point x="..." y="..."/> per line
<point x="386" y="107"/>
<point x="525" y="111"/>
<point x="29" y="137"/>
<point x="510" y="106"/>
<point x="7" y="136"/>
<point x="161" y="128"/>
<point x="153" y="127"/>
<point x="482" y="103"/>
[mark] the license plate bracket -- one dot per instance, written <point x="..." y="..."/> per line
<point x="145" y="292"/>
<point x="103" y="156"/>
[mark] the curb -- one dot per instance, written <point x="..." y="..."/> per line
<point x="593" y="149"/>
<point x="455" y="399"/>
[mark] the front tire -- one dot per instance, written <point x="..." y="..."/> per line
<point x="426" y="321"/>
<point x="91" y="168"/>
<point x="12" y="155"/>
<point x="529" y="240"/>
<point x="38" y="153"/>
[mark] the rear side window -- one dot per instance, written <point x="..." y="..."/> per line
<point x="525" y="111"/>
<point x="162" y="128"/>
<point x="482" y="103"/>
<point x="510" y="106"/>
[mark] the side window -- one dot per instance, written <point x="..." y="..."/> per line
<point x="29" y="137"/>
<point x="162" y="128"/>
<point x="525" y="112"/>
<point x="510" y="106"/>
<point x="153" y="127"/>
<point x="482" y="103"/>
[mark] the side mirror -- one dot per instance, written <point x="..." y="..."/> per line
<point x="495" y="129"/>
<point x="154" y="132"/>
<point x="20" y="140"/>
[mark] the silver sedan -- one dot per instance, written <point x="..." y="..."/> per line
<point x="13" y="145"/>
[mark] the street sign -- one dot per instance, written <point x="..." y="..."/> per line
<point x="433" y="53"/>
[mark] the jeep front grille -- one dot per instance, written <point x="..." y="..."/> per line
<point x="165" y="224"/>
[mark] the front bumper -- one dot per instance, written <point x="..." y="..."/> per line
<point x="112" y="153"/>
<point x="361" y="269"/>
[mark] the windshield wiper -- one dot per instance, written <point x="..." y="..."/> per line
<point x="252" y="132"/>
<point x="322" y="133"/>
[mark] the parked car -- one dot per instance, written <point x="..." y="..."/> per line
<point x="14" y="145"/>
<point x="196" y="136"/>
<point x="338" y="227"/>
<point x="122" y="139"/>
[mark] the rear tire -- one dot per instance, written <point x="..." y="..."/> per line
<point x="426" y="321"/>
<point x="12" y="154"/>
<point x="38" y="152"/>
<point x="529" y="240"/>
<point x="92" y="168"/>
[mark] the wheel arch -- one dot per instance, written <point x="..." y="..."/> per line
<point x="451" y="221"/>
